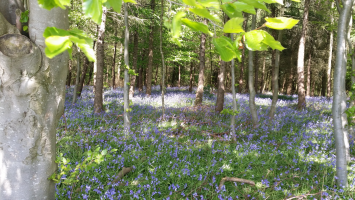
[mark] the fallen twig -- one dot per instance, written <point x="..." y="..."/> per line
<point x="233" y="179"/>
<point x="302" y="196"/>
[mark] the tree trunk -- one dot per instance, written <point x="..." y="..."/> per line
<point x="252" y="105"/>
<point x="90" y="73"/>
<point x="329" y="69"/>
<point x="234" y="98"/>
<point x="99" y="65"/>
<point x="339" y="98"/>
<point x="201" y="76"/>
<point x="83" y="75"/>
<point x="140" y="81"/>
<point x="150" y="55"/>
<point x="163" y="61"/>
<point x="308" y="93"/>
<point x="242" y="64"/>
<point x="114" y="62"/>
<point x="262" y="77"/>
<point x="300" y="59"/>
<point x="32" y="95"/>
<point x="275" y="78"/>
<point x="77" y="80"/>
<point x="69" y="74"/>
<point x="191" y="71"/>
<point x="179" y="81"/>
<point x="256" y="81"/>
<point x="134" y="67"/>
<point x="220" y="91"/>
<point x="126" y="75"/>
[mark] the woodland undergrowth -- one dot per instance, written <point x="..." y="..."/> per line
<point x="189" y="154"/>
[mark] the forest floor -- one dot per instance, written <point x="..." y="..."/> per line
<point x="190" y="155"/>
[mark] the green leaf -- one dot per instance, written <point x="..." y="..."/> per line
<point x="230" y="11"/>
<point x="298" y="1"/>
<point x="93" y="9"/>
<point x="196" y="26"/>
<point x="280" y="23"/>
<point x="203" y="12"/>
<point x="59" y="40"/>
<point x="256" y="4"/>
<point x="49" y="4"/>
<point x="210" y="3"/>
<point x="130" y="1"/>
<point x="116" y="5"/>
<point x="25" y="28"/>
<point x="243" y="7"/>
<point x="24" y="17"/>
<point x="271" y="42"/>
<point x="259" y="40"/>
<point x="225" y="48"/>
<point x="190" y="3"/>
<point x="176" y="26"/>
<point x="234" y="25"/>
<point x="274" y="1"/>
<point x="253" y="40"/>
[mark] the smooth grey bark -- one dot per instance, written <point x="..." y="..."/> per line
<point x="339" y="97"/>
<point x="126" y="75"/>
<point x="300" y="59"/>
<point x="201" y="75"/>
<point x="77" y="79"/>
<point x="134" y="67"/>
<point x="234" y="103"/>
<point x="252" y="106"/>
<point x="262" y="77"/>
<point x="99" y="65"/>
<point x="329" y="69"/>
<point x="275" y="78"/>
<point x="162" y="60"/>
<point x="32" y="95"/>
<point x="241" y="86"/>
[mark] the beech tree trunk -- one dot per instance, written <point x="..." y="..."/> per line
<point x="134" y="67"/>
<point x="262" y="84"/>
<point x="339" y="98"/>
<point x="163" y="61"/>
<point x="32" y="95"/>
<point x="252" y="106"/>
<point x="77" y="79"/>
<point x="221" y="89"/>
<point x="114" y="62"/>
<point x="99" y="65"/>
<point x="300" y="59"/>
<point x="69" y="74"/>
<point x="150" y="55"/>
<point x="201" y="75"/>
<point x="191" y="72"/>
<point x="308" y="93"/>
<point x="83" y="75"/>
<point x="242" y="64"/>
<point x="275" y="78"/>
<point x="126" y="75"/>
<point x="234" y="103"/>
<point x="329" y="69"/>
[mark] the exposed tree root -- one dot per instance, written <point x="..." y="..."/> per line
<point x="233" y="179"/>
<point x="122" y="173"/>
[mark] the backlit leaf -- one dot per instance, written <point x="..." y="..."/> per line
<point x="243" y="7"/>
<point x="225" y="48"/>
<point x="176" y="26"/>
<point x="256" y="4"/>
<point x="210" y="3"/>
<point x="253" y="40"/>
<point x="116" y="5"/>
<point x="196" y="26"/>
<point x="271" y="42"/>
<point x="59" y="40"/>
<point x="203" y="12"/>
<point x="190" y="2"/>
<point x="234" y="25"/>
<point x="274" y="1"/>
<point x="93" y="9"/>
<point x="130" y="1"/>
<point x="49" y="4"/>
<point x="280" y="23"/>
